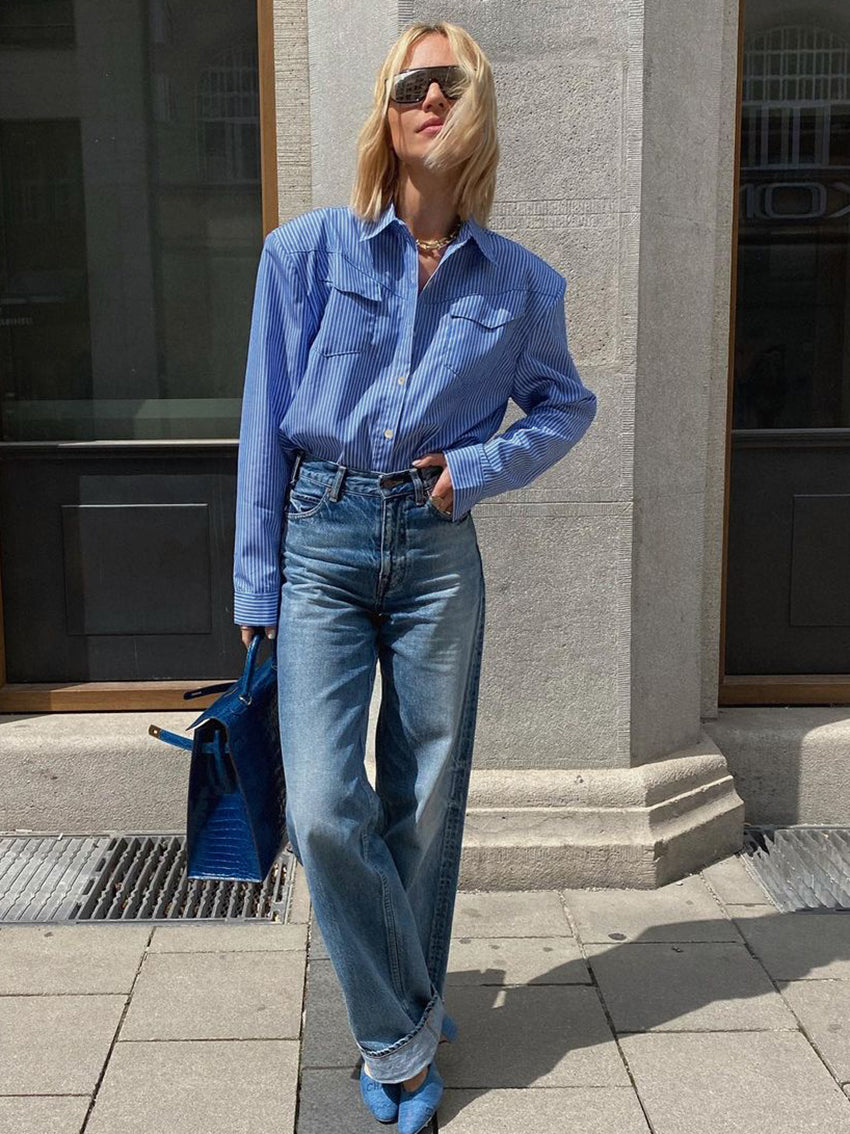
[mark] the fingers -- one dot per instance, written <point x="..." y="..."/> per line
<point x="444" y="500"/>
<point x="438" y="458"/>
<point x="248" y="633"/>
<point x="443" y="489"/>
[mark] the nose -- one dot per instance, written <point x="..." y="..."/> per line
<point x="434" y="95"/>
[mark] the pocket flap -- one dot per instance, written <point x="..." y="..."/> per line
<point x="344" y="276"/>
<point x="490" y="310"/>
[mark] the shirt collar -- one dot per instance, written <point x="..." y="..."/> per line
<point x="483" y="237"/>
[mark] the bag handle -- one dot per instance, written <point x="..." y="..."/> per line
<point x="244" y="689"/>
<point x="244" y="693"/>
<point x="222" y="686"/>
<point x="171" y="737"/>
<point x="206" y="689"/>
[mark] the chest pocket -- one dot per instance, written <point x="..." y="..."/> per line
<point x="479" y="327"/>
<point x="351" y="311"/>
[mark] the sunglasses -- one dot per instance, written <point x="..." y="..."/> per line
<point x="412" y="86"/>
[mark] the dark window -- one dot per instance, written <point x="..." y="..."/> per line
<point x="792" y="339"/>
<point x="130" y="221"/>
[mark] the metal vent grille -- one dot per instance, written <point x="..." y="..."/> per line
<point x="126" y="877"/>
<point x="802" y="867"/>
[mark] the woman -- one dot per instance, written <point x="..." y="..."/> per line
<point x="386" y="339"/>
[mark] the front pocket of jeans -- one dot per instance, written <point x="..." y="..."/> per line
<point x="306" y="501"/>
<point x="443" y="515"/>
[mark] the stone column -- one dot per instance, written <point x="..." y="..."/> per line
<point x="617" y="164"/>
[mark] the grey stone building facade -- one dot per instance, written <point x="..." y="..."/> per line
<point x="611" y="747"/>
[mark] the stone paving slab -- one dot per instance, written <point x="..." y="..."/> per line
<point x="749" y="909"/>
<point x="686" y="986"/>
<point x="300" y="907"/>
<point x="249" y="937"/>
<point x="707" y="1082"/>
<point x="213" y="1087"/>
<point x="43" y="1114"/>
<point x="540" y="1036"/>
<point x="330" y="1102"/>
<point x="510" y="913"/>
<point x="823" y="1008"/>
<point x="52" y="959"/>
<point x="733" y="884"/>
<point x="799" y="945"/>
<point x="555" y="1110"/>
<point x="217" y="996"/>
<point x="516" y="960"/>
<point x="55" y="1045"/>
<point x="318" y="949"/>
<point x="328" y="1041"/>
<point x="679" y="911"/>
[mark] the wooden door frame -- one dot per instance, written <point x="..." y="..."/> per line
<point x="758" y="688"/>
<point x="105" y="696"/>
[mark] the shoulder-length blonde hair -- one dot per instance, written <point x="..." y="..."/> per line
<point x="468" y="140"/>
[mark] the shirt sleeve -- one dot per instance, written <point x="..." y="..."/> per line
<point x="558" y="407"/>
<point x="279" y="320"/>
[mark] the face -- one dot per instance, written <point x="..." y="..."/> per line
<point x="410" y="141"/>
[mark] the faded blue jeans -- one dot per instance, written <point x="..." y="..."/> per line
<point x="373" y="573"/>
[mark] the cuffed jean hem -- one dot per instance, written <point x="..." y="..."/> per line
<point x="413" y="1052"/>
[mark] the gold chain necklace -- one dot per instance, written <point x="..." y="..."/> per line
<point x="439" y="242"/>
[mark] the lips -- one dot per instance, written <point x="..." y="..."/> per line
<point x="430" y="124"/>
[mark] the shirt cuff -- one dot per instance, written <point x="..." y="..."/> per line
<point x="467" y="472"/>
<point x="256" y="610"/>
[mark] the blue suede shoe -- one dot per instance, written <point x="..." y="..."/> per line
<point x="381" y="1098"/>
<point x="417" y="1108"/>
<point x="449" y="1030"/>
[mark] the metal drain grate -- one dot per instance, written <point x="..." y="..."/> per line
<point x="800" y="868"/>
<point x="121" y="877"/>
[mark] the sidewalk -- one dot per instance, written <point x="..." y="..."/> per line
<point x="692" y="1009"/>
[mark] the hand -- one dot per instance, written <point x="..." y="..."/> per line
<point x="442" y="494"/>
<point x="249" y="633"/>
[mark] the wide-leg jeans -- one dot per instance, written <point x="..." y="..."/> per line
<point x="373" y="572"/>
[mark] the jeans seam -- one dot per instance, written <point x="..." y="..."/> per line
<point x="389" y="919"/>
<point x="456" y="808"/>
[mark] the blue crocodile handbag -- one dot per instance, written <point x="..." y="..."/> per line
<point x="236" y="807"/>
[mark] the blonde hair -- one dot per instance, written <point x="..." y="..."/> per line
<point x="468" y="139"/>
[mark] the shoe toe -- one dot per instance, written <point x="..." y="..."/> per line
<point x="380" y="1098"/>
<point x="417" y="1108"/>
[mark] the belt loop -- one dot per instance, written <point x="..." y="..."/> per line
<point x="418" y="484"/>
<point x="336" y="487"/>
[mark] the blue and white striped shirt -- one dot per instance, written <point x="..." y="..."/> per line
<point x="350" y="361"/>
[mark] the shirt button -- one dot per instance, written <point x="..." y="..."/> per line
<point x="400" y="381"/>
<point x="388" y="433"/>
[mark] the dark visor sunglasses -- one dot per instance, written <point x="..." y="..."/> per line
<point x="412" y="86"/>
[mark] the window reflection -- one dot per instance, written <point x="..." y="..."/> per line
<point x="228" y="118"/>
<point x="792" y="356"/>
<point x="36" y="23"/>
<point x="130" y="219"/>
